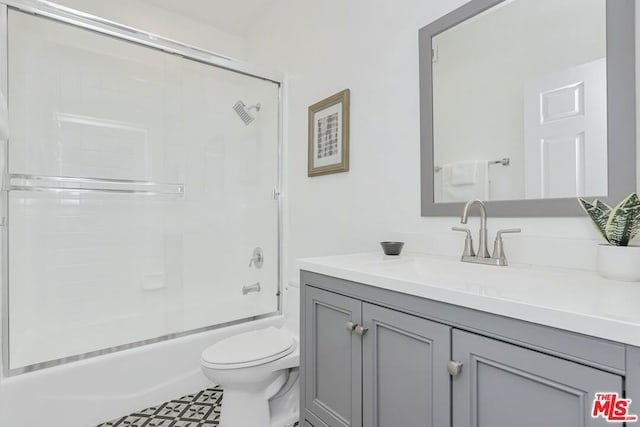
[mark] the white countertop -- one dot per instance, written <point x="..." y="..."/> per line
<point x="574" y="300"/>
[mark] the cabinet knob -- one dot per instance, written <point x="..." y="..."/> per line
<point x="454" y="368"/>
<point x="350" y="326"/>
<point x="361" y="330"/>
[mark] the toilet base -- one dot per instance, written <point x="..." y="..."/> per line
<point x="289" y="421"/>
<point x="249" y="408"/>
<point x="284" y="406"/>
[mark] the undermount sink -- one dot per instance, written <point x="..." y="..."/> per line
<point x="449" y="272"/>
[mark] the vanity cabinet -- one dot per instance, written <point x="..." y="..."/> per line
<point x="506" y="385"/>
<point x="368" y="365"/>
<point x="375" y="358"/>
<point x="334" y="354"/>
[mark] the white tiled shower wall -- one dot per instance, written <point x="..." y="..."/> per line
<point x="116" y="269"/>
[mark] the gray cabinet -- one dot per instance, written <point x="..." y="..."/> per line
<point x="404" y="381"/>
<point x="388" y="370"/>
<point x="393" y="371"/>
<point x="333" y="368"/>
<point x="505" y="385"/>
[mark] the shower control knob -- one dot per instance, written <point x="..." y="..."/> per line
<point x="350" y="326"/>
<point x="454" y="368"/>
<point x="361" y="330"/>
<point x="257" y="259"/>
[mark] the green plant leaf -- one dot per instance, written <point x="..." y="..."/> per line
<point x="624" y="221"/>
<point x="599" y="213"/>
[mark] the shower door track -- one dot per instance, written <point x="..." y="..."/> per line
<point x="106" y="27"/>
<point x="100" y="25"/>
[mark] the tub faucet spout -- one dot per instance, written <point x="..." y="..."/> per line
<point x="251" y="288"/>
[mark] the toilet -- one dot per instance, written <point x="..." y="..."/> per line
<point x="258" y="371"/>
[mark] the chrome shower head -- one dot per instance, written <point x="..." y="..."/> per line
<point x="243" y="111"/>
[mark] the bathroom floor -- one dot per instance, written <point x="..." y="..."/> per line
<point x="201" y="409"/>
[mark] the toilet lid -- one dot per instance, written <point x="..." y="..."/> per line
<point x="250" y="348"/>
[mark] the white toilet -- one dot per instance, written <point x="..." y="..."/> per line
<point x="258" y="371"/>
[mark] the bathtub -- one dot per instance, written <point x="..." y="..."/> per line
<point x="91" y="391"/>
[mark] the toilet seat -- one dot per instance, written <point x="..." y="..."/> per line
<point x="249" y="349"/>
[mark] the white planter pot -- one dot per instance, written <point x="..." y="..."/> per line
<point x="619" y="262"/>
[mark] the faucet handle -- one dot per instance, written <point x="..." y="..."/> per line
<point x="468" y="241"/>
<point x="257" y="259"/>
<point x="463" y="229"/>
<point x="498" y="245"/>
<point x="508" y="230"/>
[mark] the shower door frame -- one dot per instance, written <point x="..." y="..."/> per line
<point x="78" y="19"/>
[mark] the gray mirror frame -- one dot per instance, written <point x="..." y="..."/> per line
<point x="621" y="117"/>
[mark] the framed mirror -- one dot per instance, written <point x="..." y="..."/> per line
<point x="526" y="105"/>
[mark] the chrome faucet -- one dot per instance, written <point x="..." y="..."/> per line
<point x="483" y="251"/>
<point x="498" y="257"/>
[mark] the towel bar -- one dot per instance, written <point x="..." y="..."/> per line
<point x="504" y="162"/>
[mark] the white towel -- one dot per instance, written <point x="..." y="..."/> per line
<point x="464" y="173"/>
<point x="463" y="181"/>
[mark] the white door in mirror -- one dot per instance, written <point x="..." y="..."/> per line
<point x="565" y="126"/>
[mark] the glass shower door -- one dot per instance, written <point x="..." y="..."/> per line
<point x="136" y="193"/>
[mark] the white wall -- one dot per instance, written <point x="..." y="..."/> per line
<point x="145" y="16"/>
<point x="371" y="47"/>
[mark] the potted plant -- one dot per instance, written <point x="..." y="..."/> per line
<point x="617" y="259"/>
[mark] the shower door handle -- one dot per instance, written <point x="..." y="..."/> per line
<point x="275" y="193"/>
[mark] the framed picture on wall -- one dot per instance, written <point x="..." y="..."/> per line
<point x="329" y="135"/>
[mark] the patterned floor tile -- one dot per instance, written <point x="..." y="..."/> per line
<point x="159" y="422"/>
<point x="201" y="409"/>
<point x="172" y="409"/>
<point x="148" y="411"/>
<point x="111" y="423"/>
<point x="133" y="421"/>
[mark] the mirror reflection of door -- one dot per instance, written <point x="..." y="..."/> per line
<point x="565" y="133"/>
<point x="490" y="74"/>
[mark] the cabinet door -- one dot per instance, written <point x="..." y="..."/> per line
<point x="502" y="385"/>
<point x="405" y="379"/>
<point x="333" y="358"/>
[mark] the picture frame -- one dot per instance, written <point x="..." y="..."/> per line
<point x="329" y="135"/>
